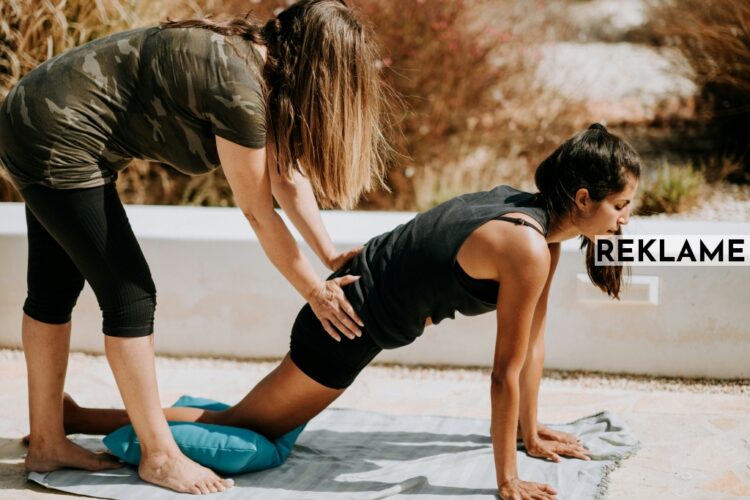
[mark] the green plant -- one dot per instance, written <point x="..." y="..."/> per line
<point x="671" y="190"/>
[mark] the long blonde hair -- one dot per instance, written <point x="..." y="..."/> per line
<point x="326" y="109"/>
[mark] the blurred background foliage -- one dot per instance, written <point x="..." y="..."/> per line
<point x="472" y="82"/>
<point x="714" y="38"/>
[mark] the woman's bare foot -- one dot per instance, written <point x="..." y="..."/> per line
<point x="44" y="456"/>
<point x="70" y="410"/>
<point x="179" y="473"/>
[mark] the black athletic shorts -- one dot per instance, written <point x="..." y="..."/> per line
<point x="330" y="363"/>
<point x="77" y="234"/>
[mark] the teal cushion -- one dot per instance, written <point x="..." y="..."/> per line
<point x="225" y="449"/>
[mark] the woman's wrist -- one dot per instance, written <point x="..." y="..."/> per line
<point x="311" y="291"/>
<point x="329" y="255"/>
<point x="328" y="259"/>
<point x="503" y="481"/>
<point x="526" y="430"/>
<point x="529" y="435"/>
<point x="530" y="441"/>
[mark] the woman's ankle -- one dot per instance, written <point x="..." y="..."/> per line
<point x="160" y="450"/>
<point x="46" y="438"/>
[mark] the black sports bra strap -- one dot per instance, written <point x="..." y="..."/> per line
<point x="522" y="222"/>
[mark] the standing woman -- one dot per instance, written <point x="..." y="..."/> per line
<point x="290" y="109"/>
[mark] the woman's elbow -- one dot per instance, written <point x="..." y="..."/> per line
<point x="258" y="219"/>
<point x="283" y="185"/>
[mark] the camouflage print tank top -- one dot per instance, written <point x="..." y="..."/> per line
<point x="150" y="93"/>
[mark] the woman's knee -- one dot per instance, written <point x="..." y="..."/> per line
<point x="129" y="312"/>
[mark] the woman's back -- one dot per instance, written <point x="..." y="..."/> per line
<point x="408" y="274"/>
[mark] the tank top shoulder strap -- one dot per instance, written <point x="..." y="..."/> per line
<point x="519" y="221"/>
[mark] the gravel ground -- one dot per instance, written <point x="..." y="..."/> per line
<point x="552" y="378"/>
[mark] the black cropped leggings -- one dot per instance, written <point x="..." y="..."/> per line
<point x="77" y="234"/>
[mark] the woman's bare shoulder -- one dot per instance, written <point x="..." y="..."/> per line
<point x="502" y="248"/>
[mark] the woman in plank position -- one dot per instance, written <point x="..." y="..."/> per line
<point x="492" y="250"/>
<point x="289" y="109"/>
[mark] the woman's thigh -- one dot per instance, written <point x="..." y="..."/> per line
<point x="93" y="229"/>
<point x="329" y="362"/>
<point x="283" y="400"/>
<point x="53" y="282"/>
<point x="316" y="371"/>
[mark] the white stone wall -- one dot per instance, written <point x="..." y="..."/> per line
<point x="218" y="295"/>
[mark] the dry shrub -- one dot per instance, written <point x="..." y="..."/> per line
<point x="472" y="113"/>
<point x="32" y="31"/>
<point x="714" y="36"/>
<point x="148" y="183"/>
<point x="719" y="168"/>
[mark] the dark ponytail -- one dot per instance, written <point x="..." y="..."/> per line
<point x="600" y="162"/>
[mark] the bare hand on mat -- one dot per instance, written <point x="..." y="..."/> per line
<point x="515" y="489"/>
<point x="545" y="432"/>
<point x="553" y="450"/>
<point x="334" y="311"/>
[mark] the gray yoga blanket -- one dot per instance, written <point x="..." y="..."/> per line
<point x="348" y="454"/>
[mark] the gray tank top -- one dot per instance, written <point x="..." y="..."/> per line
<point x="409" y="274"/>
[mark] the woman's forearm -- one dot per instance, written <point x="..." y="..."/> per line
<point x="531" y="377"/>
<point x="296" y="198"/>
<point x="505" y="396"/>
<point x="326" y="298"/>
<point x="250" y="178"/>
<point x="283" y="252"/>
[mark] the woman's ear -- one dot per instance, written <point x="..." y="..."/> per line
<point x="582" y="198"/>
